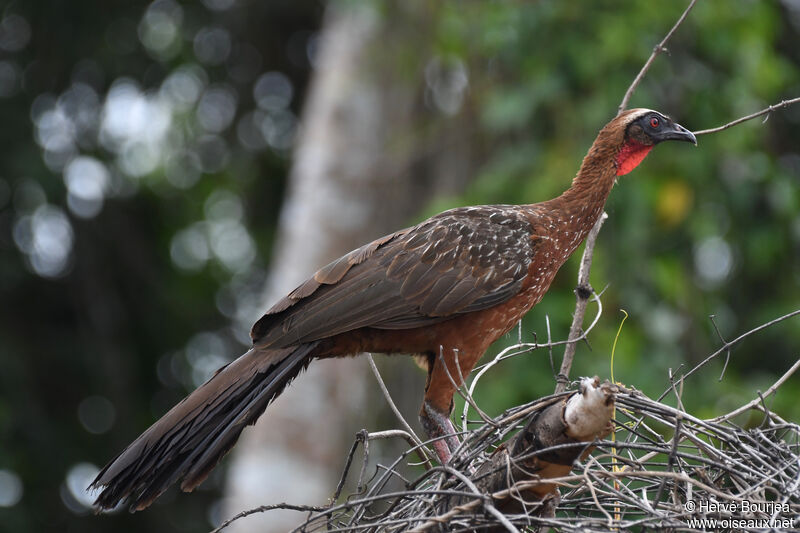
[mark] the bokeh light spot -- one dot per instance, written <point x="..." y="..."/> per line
<point x="206" y="353"/>
<point x="189" y="248"/>
<point x="183" y="87"/>
<point x="87" y="181"/>
<point x="46" y="237"/>
<point x="15" y="33"/>
<point x="713" y="261"/>
<point x="96" y="414"/>
<point x="278" y="129"/>
<point x="11" y="489"/>
<point x="232" y="245"/>
<point x="273" y="91"/>
<point x="217" y="108"/>
<point x="223" y="205"/>
<point x="159" y="29"/>
<point x="212" y="45"/>
<point x="182" y="169"/>
<point x="77" y="497"/>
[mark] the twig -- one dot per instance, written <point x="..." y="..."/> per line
<point x="727" y="352"/>
<point x="420" y="448"/>
<point x="732" y="343"/>
<point x="588" y="483"/>
<point x="360" y="437"/>
<point x="264" y="508"/>
<point x="393" y="434"/>
<point x="478" y="375"/>
<point x="582" y="293"/>
<point x="673" y="453"/>
<point x="770" y="109"/>
<point x="550" y="348"/>
<point x="754" y="403"/>
<point x="487" y="501"/>
<point x="465" y="393"/>
<point x="656" y="51"/>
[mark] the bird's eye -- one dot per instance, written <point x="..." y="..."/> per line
<point x="654" y="122"/>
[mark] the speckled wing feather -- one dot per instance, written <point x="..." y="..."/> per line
<point x="459" y="261"/>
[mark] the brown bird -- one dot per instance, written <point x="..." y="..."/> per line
<point x="443" y="291"/>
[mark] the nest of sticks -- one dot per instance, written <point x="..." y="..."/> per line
<point x="640" y="479"/>
<point x="641" y="464"/>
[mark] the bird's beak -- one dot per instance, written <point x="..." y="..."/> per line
<point x="676" y="132"/>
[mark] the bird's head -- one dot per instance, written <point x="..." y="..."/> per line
<point x="638" y="131"/>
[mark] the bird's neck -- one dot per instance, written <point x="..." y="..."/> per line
<point x="579" y="207"/>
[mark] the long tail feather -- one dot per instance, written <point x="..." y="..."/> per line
<point x="189" y="441"/>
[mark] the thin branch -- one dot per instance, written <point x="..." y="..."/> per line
<point x="727" y="353"/>
<point x="770" y="109"/>
<point x="656" y="51"/>
<point x="393" y="434"/>
<point x="479" y="374"/>
<point x="360" y="437"/>
<point x="420" y="448"/>
<point x="758" y="400"/>
<point x="487" y="502"/>
<point x="582" y="293"/>
<point x="461" y="388"/>
<point x="265" y="508"/>
<point x="732" y="343"/>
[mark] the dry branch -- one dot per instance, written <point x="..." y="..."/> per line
<point x="730" y="344"/>
<point x="656" y="51"/>
<point x="583" y="291"/>
<point x="770" y="109"/>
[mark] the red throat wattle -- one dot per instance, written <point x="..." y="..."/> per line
<point x="631" y="155"/>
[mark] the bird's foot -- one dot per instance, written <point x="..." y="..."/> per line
<point x="439" y="428"/>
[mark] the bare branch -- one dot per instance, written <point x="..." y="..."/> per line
<point x="727" y="353"/>
<point x="582" y="293"/>
<point x="420" y="448"/>
<point x="360" y="437"/>
<point x="656" y="51"/>
<point x="487" y="502"/>
<point x="734" y="342"/>
<point x="770" y="109"/>
<point x="758" y="400"/>
<point x="265" y="508"/>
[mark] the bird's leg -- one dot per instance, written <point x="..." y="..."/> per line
<point x="444" y="372"/>
<point x="439" y="428"/>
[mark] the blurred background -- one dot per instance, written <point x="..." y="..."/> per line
<point x="167" y="169"/>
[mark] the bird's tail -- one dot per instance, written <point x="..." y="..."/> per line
<point x="188" y="441"/>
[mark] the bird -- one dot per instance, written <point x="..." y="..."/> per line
<point x="442" y="291"/>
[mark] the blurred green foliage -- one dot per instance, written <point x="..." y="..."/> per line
<point x="134" y="304"/>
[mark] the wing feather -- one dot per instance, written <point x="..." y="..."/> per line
<point x="419" y="280"/>
<point x="457" y="262"/>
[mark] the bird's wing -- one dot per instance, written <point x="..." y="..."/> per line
<point x="460" y="261"/>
